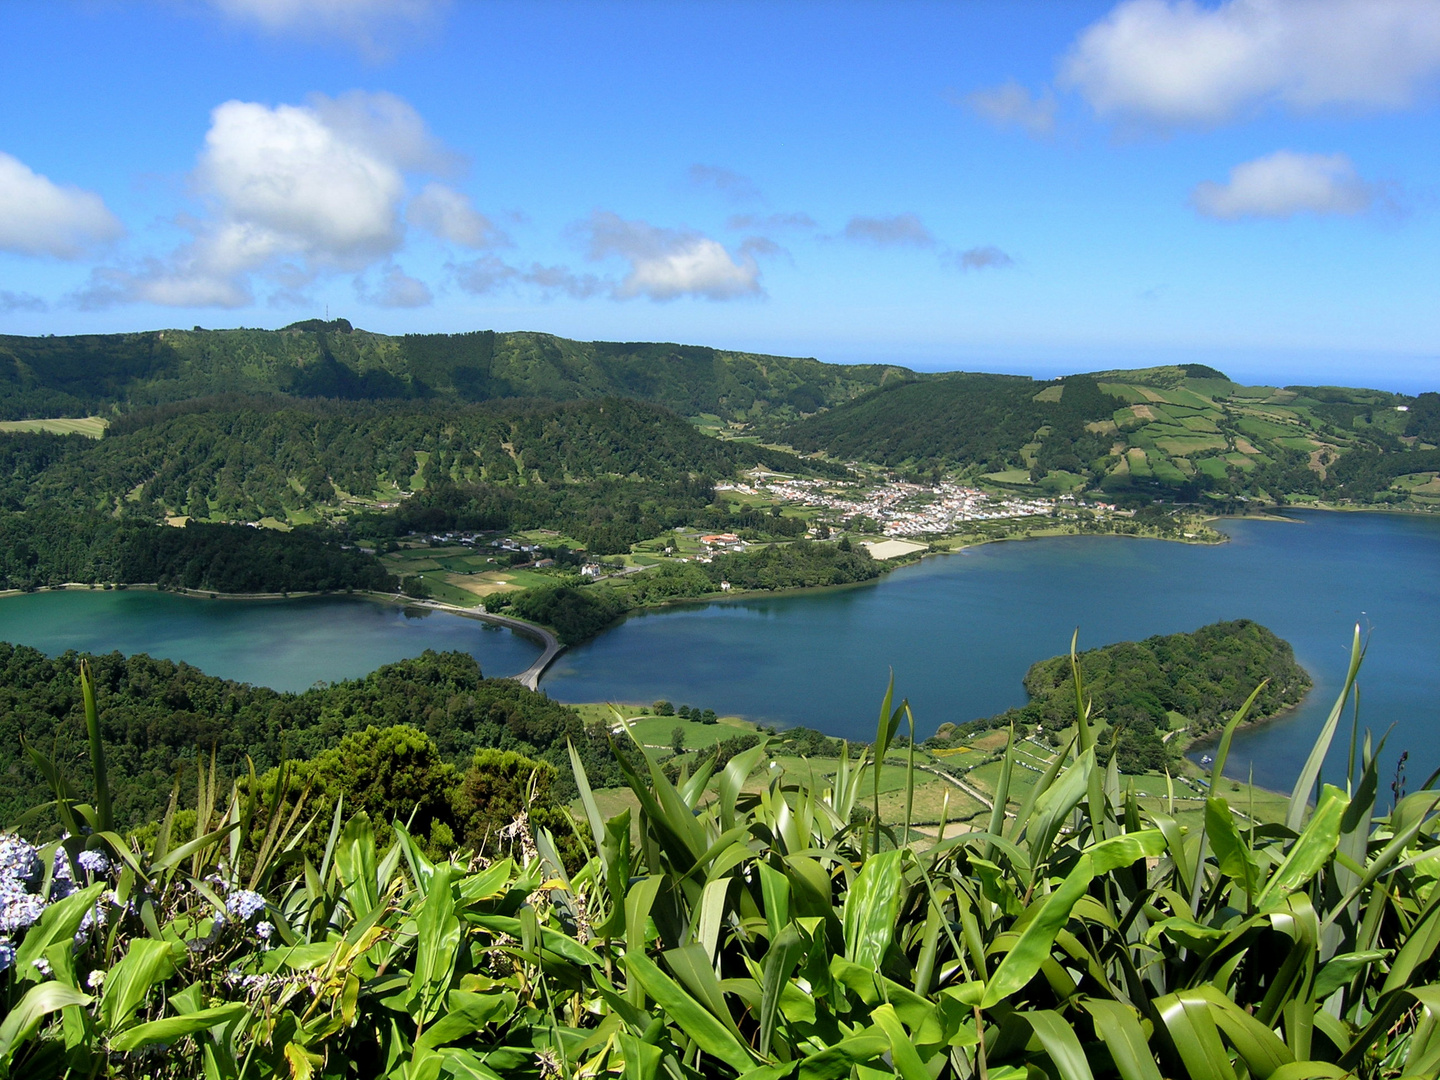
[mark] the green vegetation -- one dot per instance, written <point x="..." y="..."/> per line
<point x="578" y="612"/>
<point x="785" y="930"/>
<point x="156" y="718"/>
<point x="43" y="547"/>
<point x="79" y="376"/>
<point x="1141" y="691"/>
<point x="1185" y="433"/>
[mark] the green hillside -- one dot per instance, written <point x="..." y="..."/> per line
<point x="99" y="374"/>
<point x="1186" y="432"/>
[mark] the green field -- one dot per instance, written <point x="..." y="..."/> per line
<point x="92" y="427"/>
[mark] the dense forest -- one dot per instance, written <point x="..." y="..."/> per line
<point x="158" y="718"/>
<point x="247" y="458"/>
<point x="44" y="547"/>
<point x="1135" y="687"/>
<point x="97" y="374"/>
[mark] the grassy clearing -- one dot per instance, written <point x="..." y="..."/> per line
<point x="92" y="427"/>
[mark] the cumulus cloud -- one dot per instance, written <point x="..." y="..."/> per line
<point x="1174" y="62"/>
<point x="397" y="289"/>
<point x="295" y="191"/>
<point x="987" y="257"/>
<point x="41" y="217"/>
<point x="730" y="184"/>
<point x="372" y="25"/>
<point x="1283" y="184"/>
<point x="13" y="301"/>
<point x="665" y="264"/>
<point x="451" y="216"/>
<point x="1012" y="105"/>
<point x="900" y="230"/>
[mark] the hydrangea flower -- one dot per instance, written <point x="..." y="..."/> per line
<point x="93" y="862"/>
<point x="94" y="979"/>
<point x="263" y="930"/>
<point x="244" y="904"/>
<point x="19" y="861"/>
<point x="43" y="966"/>
<point x="20" y="869"/>
<point x="7" y="953"/>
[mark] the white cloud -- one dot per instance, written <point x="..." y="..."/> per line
<point x="1174" y="62"/>
<point x="293" y="192"/>
<point x="397" y="290"/>
<point x="373" y="25"/>
<point x="987" y="257"/>
<point x="1285" y="183"/>
<point x="1012" y="105"/>
<point x="451" y="216"/>
<point x="669" y="263"/>
<point x="40" y="217"/>
<point x="900" y="230"/>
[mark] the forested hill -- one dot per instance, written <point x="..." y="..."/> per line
<point x="1142" y="690"/>
<point x="98" y="374"/>
<point x="1185" y="432"/>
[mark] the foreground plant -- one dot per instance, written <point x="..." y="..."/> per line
<point x="724" y="931"/>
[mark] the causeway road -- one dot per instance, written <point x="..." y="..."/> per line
<point x="551" y="647"/>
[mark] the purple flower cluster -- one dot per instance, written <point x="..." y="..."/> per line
<point x="22" y="896"/>
<point x="20" y="872"/>
<point x="244" y="904"/>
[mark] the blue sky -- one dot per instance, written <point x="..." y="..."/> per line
<point x="1029" y="187"/>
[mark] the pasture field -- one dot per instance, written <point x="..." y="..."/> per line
<point x="92" y="427"/>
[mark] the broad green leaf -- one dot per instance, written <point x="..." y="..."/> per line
<point x="29" y="1013"/>
<point x="146" y="964"/>
<point x="1059" y="1041"/>
<point x="1024" y="959"/>
<point x="466" y="1013"/>
<point x="174" y="1028"/>
<point x="1120" y="1030"/>
<point x="1053" y="806"/>
<point x="58" y="923"/>
<point x="902" y="1050"/>
<point x="1188" y="1019"/>
<point x="1305" y="783"/>
<point x="871" y="905"/>
<point x="436" y="946"/>
<point x="693" y="1018"/>
<point x="785" y="951"/>
<point x="1231" y="850"/>
<point x="1314" y="846"/>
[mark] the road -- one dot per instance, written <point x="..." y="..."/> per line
<point x="530" y="677"/>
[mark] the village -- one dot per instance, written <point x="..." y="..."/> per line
<point x="902" y="509"/>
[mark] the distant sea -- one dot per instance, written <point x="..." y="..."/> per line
<point x="959" y="632"/>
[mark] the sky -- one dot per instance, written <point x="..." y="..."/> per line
<point x="1037" y="188"/>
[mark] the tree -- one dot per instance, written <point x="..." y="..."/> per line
<point x="677" y="739"/>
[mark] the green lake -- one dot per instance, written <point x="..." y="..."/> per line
<point x="958" y="631"/>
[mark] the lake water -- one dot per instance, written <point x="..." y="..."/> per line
<point x="285" y="644"/>
<point x="958" y="630"/>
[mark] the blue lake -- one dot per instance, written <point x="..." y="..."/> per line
<point x="959" y="632"/>
<point x="285" y="644"/>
